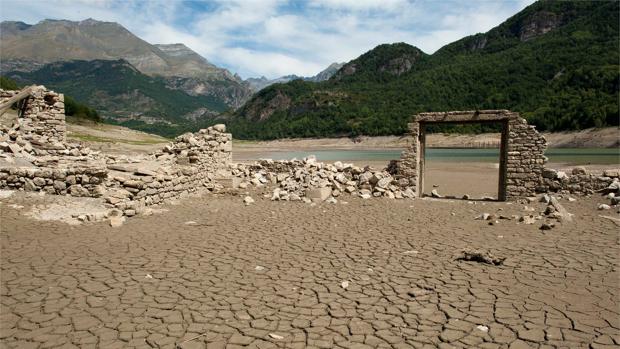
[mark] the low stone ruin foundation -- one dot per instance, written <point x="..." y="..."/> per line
<point x="35" y="156"/>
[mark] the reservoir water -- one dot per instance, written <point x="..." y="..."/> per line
<point x="569" y="156"/>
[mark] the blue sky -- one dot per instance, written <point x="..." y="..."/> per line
<point x="280" y="37"/>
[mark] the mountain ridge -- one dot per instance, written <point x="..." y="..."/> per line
<point x="25" y="48"/>
<point x="257" y="84"/>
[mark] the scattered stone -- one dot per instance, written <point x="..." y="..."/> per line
<point x="545" y="198"/>
<point x="319" y="194"/>
<point x="480" y="257"/>
<point x="484" y="217"/>
<point x="483" y="328"/>
<point x="435" y="194"/>
<point x="579" y="170"/>
<point x="117" y="221"/>
<point x="547" y="226"/>
<point x="259" y="268"/>
<point x="527" y="219"/>
<point x="276" y="336"/>
<point x="549" y="210"/>
<point x="248" y="200"/>
<point x="561" y="212"/>
<point x="344" y="284"/>
<point x="604" y="207"/>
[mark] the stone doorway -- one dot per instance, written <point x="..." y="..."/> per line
<point x="466" y="174"/>
<point x="521" y="151"/>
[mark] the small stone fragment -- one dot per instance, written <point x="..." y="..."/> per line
<point x="484" y="217"/>
<point x="117" y="221"/>
<point x="483" y="328"/>
<point x="480" y="257"/>
<point x="547" y="226"/>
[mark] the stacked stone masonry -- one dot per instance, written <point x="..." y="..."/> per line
<point x="42" y="117"/>
<point x="35" y="156"/>
<point x="521" y="155"/>
<point x="191" y="162"/>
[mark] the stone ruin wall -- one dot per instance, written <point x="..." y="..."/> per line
<point x="55" y="166"/>
<point x="194" y="161"/>
<point x="525" y="171"/>
<point x="42" y="117"/>
<point x="525" y="158"/>
<point x="199" y="160"/>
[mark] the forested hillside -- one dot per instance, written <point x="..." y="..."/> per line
<point x="555" y="62"/>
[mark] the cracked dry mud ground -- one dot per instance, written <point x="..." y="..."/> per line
<point x="156" y="281"/>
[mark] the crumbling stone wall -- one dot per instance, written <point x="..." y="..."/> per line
<point x="42" y="119"/>
<point x="192" y="161"/>
<point x="521" y="155"/>
<point x="578" y="181"/>
<point x="525" y="158"/>
<point x="35" y="156"/>
<point x="75" y="181"/>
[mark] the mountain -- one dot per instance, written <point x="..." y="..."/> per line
<point x="326" y="73"/>
<point x="257" y="84"/>
<point x="555" y="62"/>
<point x="125" y="95"/>
<point x="25" y="47"/>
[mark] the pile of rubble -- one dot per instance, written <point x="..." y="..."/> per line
<point x="317" y="181"/>
<point x="579" y="181"/>
<point x="611" y="192"/>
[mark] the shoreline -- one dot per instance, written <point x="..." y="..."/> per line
<point x="608" y="137"/>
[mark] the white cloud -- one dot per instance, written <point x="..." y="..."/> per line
<point x="360" y="5"/>
<point x="280" y="37"/>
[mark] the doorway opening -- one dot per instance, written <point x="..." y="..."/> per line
<point x="462" y="166"/>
